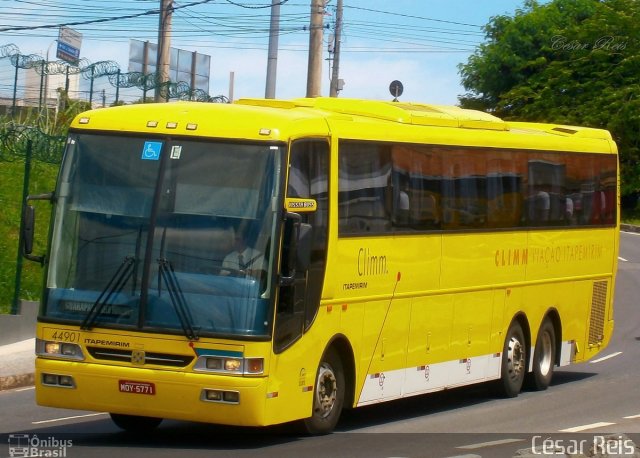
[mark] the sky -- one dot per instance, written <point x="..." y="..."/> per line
<point x="418" y="42"/>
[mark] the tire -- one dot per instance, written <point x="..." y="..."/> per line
<point x="514" y="362"/>
<point x="544" y="357"/>
<point x="328" y="395"/>
<point x="135" y="423"/>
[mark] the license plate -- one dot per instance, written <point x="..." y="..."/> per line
<point x="127" y="386"/>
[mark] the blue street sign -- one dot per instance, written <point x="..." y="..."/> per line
<point x="67" y="53"/>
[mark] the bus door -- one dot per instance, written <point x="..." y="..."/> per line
<point x="299" y="301"/>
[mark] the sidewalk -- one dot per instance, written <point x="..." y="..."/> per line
<point x="17" y="364"/>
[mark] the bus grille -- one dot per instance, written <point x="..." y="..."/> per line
<point x="160" y="359"/>
<point x="598" y="305"/>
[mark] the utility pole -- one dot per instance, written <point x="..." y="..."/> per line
<point x="272" y="59"/>
<point x="335" y="72"/>
<point x="232" y="79"/>
<point x="164" y="48"/>
<point x="314" y="71"/>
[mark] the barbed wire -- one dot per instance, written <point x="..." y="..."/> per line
<point x="90" y="71"/>
<point x="8" y="50"/>
<point x="25" y="61"/>
<point x="100" y="69"/>
<point x="15" y="139"/>
<point x="60" y="67"/>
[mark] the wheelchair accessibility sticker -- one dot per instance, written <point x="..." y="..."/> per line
<point x="151" y="151"/>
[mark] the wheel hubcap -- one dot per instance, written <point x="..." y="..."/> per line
<point x="515" y="358"/>
<point x="326" y="390"/>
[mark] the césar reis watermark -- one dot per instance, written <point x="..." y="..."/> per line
<point x="605" y="43"/>
<point x="609" y="445"/>
<point x="30" y="445"/>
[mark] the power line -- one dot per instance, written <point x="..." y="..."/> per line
<point x="412" y="16"/>
<point x="256" y="7"/>
<point x="94" y="21"/>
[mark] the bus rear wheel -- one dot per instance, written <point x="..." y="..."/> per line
<point x="544" y="357"/>
<point x="513" y="362"/>
<point x="135" y="423"/>
<point x="328" y="395"/>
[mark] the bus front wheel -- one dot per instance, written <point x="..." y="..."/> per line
<point x="135" y="423"/>
<point x="544" y="357"/>
<point x="328" y="395"/>
<point x="513" y="362"/>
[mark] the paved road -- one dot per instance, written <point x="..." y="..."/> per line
<point x="584" y="404"/>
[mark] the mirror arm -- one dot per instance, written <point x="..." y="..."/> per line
<point x="38" y="259"/>
<point x="46" y="196"/>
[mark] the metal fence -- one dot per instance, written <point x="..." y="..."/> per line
<point x="17" y="142"/>
<point x="106" y="81"/>
<point x="20" y="143"/>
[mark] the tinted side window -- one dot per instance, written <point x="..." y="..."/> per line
<point x="364" y="188"/>
<point x="405" y="187"/>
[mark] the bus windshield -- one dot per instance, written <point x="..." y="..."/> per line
<point x="165" y="235"/>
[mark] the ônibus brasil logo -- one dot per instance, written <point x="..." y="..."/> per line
<point x="30" y="445"/>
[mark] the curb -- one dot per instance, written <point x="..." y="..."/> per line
<point x="629" y="228"/>
<point x="16" y="381"/>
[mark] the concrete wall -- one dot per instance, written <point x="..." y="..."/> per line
<point x="15" y="328"/>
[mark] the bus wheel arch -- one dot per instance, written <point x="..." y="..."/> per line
<point x="333" y="387"/>
<point x="342" y="346"/>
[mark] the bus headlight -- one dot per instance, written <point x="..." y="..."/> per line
<point x="214" y="364"/>
<point x="64" y="350"/>
<point x="232" y="365"/>
<point x="229" y="365"/>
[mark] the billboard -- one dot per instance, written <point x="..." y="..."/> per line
<point x="69" y="42"/>
<point x="187" y="66"/>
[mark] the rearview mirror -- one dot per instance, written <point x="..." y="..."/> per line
<point x="29" y="226"/>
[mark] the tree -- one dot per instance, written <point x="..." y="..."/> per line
<point x="573" y="62"/>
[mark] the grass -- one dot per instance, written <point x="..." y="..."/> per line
<point x="631" y="216"/>
<point x="42" y="180"/>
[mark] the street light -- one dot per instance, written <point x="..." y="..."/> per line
<point x="46" y="80"/>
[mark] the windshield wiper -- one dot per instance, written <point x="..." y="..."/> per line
<point x="115" y="285"/>
<point x="177" y="298"/>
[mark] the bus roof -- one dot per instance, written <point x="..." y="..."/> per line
<point x="281" y="120"/>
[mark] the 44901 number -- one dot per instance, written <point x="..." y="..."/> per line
<point x="65" y="336"/>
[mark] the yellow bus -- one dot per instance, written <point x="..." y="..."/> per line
<point x="271" y="261"/>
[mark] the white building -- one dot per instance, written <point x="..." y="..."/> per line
<point x="45" y="88"/>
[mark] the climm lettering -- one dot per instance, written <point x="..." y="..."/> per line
<point x="512" y="257"/>
<point x="371" y="264"/>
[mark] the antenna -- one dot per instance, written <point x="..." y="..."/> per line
<point x="396" y="89"/>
